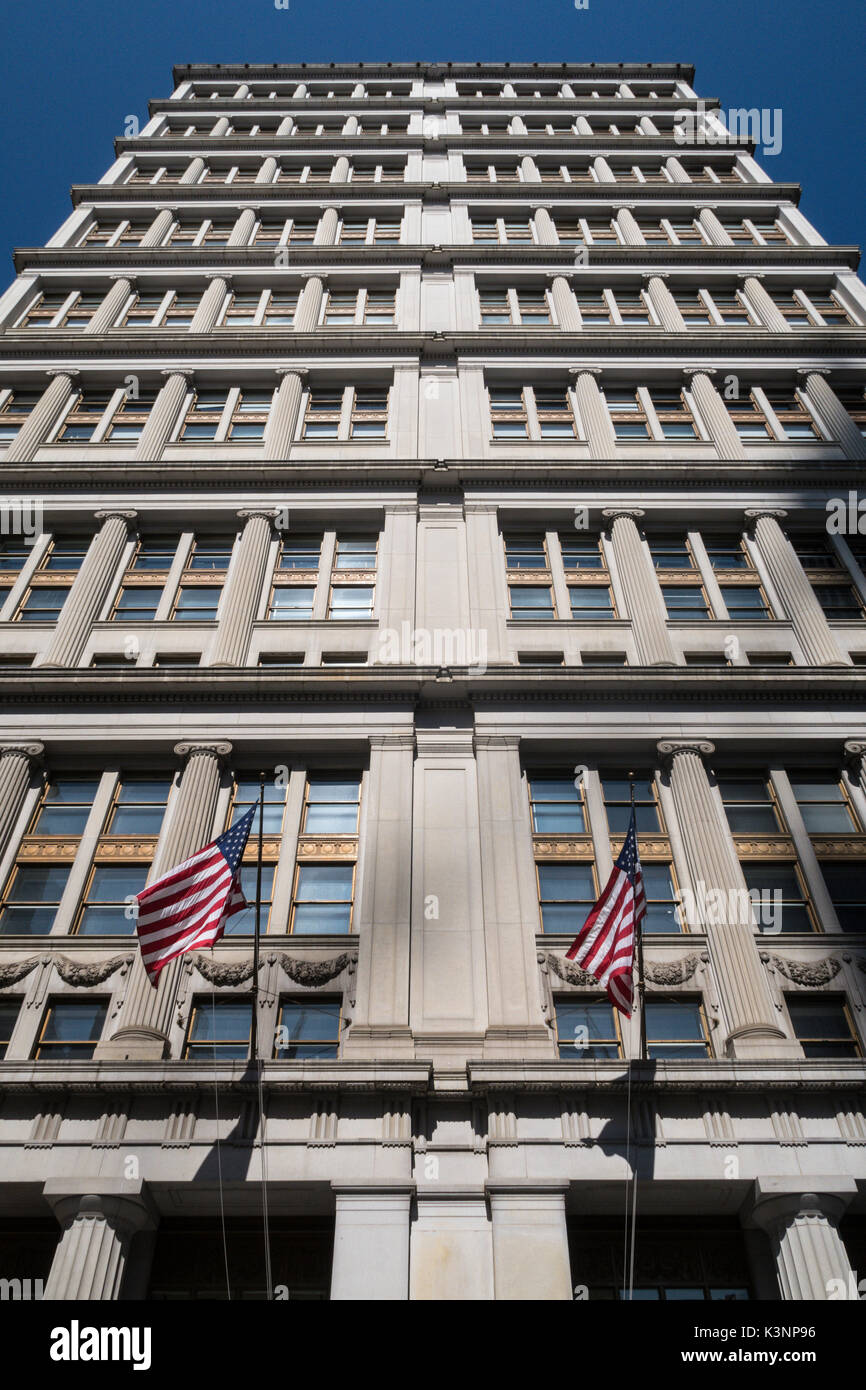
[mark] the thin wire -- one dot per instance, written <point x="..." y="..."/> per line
<point x="216" y="1099"/>
<point x="628" y="1175"/>
<point x="257" y="1061"/>
<point x="264" y="1175"/>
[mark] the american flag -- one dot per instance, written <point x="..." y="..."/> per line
<point x="604" y="946"/>
<point x="188" y="907"/>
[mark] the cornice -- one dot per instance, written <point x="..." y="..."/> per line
<point x="336" y="142"/>
<point x="442" y="71"/>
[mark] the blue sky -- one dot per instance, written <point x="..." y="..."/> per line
<point x="101" y="60"/>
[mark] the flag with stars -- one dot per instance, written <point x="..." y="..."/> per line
<point x="604" y="946"/>
<point x="187" y="908"/>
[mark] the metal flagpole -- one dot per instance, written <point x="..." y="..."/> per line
<point x="643" y="1057"/>
<point x="257" y="1062"/>
<point x="639" y="950"/>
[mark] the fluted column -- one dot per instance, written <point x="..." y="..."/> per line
<point x="518" y="126"/>
<point x="631" y="232"/>
<point x="665" y="305"/>
<point x="242" y="92"/>
<point x="42" y="418"/>
<point x="309" y="305"/>
<point x="567" y="91"/>
<point x="326" y="232"/>
<point x="676" y="170"/>
<point x="145" y="1024"/>
<point x="544" y="228"/>
<point x="713" y="228"/>
<point x="210" y="304"/>
<point x="163" y="416"/>
<point x="350" y="125"/>
<point x="812" y="1264"/>
<point x="603" y="170"/>
<point x="243" y="590"/>
<point x="593" y="414"/>
<point x="563" y="299"/>
<point x="340" y="171"/>
<point x="648" y="126"/>
<point x="582" y="126"/>
<point x="17" y="761"/>
<point x="834" y="415"/>
<point x="286" y="127"/>
<point x="715" y="416"/>
<point x="283" y="420"/>
<point x="158" y="229"/>
<point x="358" y="92"/>
<point x="753" y="1028"/>
<point x="243" y="229"/>
<point x="219" y="127"/>
<point x="792" y="584"/>
<point x="89" y="590"/>
<point x="300" y="91"/>
<point x="194" y="170"/>
<point x="769" y="313"/>
<point x="97" y="1228"/>
<point x="642" y="592"/>
<point x="267" y="170"/>
<point x="111" y="305"/>
<point x="530" y="170"/>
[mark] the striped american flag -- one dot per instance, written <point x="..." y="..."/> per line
<point x="188" y="907"/>
<point x="604" y="946"/>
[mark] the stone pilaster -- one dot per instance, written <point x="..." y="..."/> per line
<point x="530" y="170"/>
<point x="812" y="1264"/>
<point x="834" y="415"/>
<point x="582" y="126"/>
<point x="163" y="416"/>
<point x="752" y="1021"/>
<point x="309" y="305"/>
<point x="111" y="305"/>
<point x="326" y="232"/>
<point x="380" y="1023"/>
<point x="594" y="414"/>
<point x="98" y="1222"/>
<point x="563" y="300"/>
<point x="371" y="1242"/>
<point x="243" y="590"/>
<point x="631" y="232"/>
<point x="210" y="305"/>
<point x="17" y="761"/>
<point x="42" y="418"/>
<point x="158" y="229"/>
<point x="193" y="171"/>
<point x="544" y="228"/>
<point x="340" y="171"/>
<point x="603" y="170"/>
<point x="89" y="590"/>
<point x="530" y="1240"/>
<point x="713" y="228"/>
<point x="243" y="229"/>
<point x="642" y="592"/>
<point x="665" y="305"/>
<point x="515" y="1028"/>
<point x="769" y="313"/>
<point x="144" y="1029"/>
<point x="855" y="753"/>
<point x="792" y="584"/>
<point x="283" y="420"/>
<point x="676" y="170"/>
<point x="219" y="127"/>
<point x="286" y="127"/>
<point x="350" y="125"/>
<point x="715" y="416"/>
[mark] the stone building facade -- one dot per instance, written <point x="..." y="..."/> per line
<point x="451" y="444"/>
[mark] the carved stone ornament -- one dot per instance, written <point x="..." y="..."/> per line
<point x="83" y="974"/>
<point x="314" y="972"/>
<point x="672" y="972"/>
<point x="16" y="970"/>
<point x="222" y="972"/>
<point x="800" y="972"/>
<point x="571" y="974"/>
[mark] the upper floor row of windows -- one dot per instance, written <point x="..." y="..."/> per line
<point x="586" y="89"/>
<point x="327" y="127"/>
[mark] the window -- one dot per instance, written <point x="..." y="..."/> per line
<point x="531" y="602"/>
<point x="627" y="414"/>
<point x="555" y="417"/>
<point x="299" y="553"/>
<point x="525" y="553"/>
<point x="249" y="414"/>
<point x="591" y="602"/>
<point x="750" y="807"/>
<point x="791" y="413"/>
<point x="694" y="308"/>
<point x="824" y="805"/>
<point x="852" y="397"/>
<point x="31" y="899"/>
<point x="291" y="603"/>
<point x="331" y="806"/>
<point x="42" y="604"/>
<point x="556" y="806"/>
<point x="675" y="1029"/>
<point x="587" y="1030"/>
<point x="566" y="892"/>
<point x="196" y="603"/>
<point x="246" y="795"/>
<point x="841" y="602"/>
<point x="64" y="807"/>
<point x="108" y="907"/>
<point x="351" y="602"/>
<point x="595" y="310"/>
<point x="846" y="884"/>
<point x="219" y="1029"/>
<point x="508" y="412"/>
<point x="745" y="602"/>
<point x="203" y="415"/>
<point x="138" y="807"/>
<point x="580" y="555"/>
<point x="617" y="800"/>
<point x="727" y="554"/>
<point x="15" y="410"/>
<point x="136" y="603"/>
<point x="322" y="900"/>
<point x="671" y="553"/>
<point x="685" y="603"/>
<point x="369" y="415"/>
<point x="660" y="891"/>
<point x="674" y="414"/>
<point x="70" y="1030"/>
<point x="822" y="1025"/>
<point x="129" y="417"/>
<point x="779" y="897"/>
<point x="8" y="1019"/>
<point x="308" y="1028"/>
<point x="80" y="423"/>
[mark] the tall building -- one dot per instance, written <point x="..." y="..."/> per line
<point x="456" y="445"/>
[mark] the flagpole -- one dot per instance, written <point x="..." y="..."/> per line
<point x="254" y="1029"/>
<point x="639" y="945"/>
